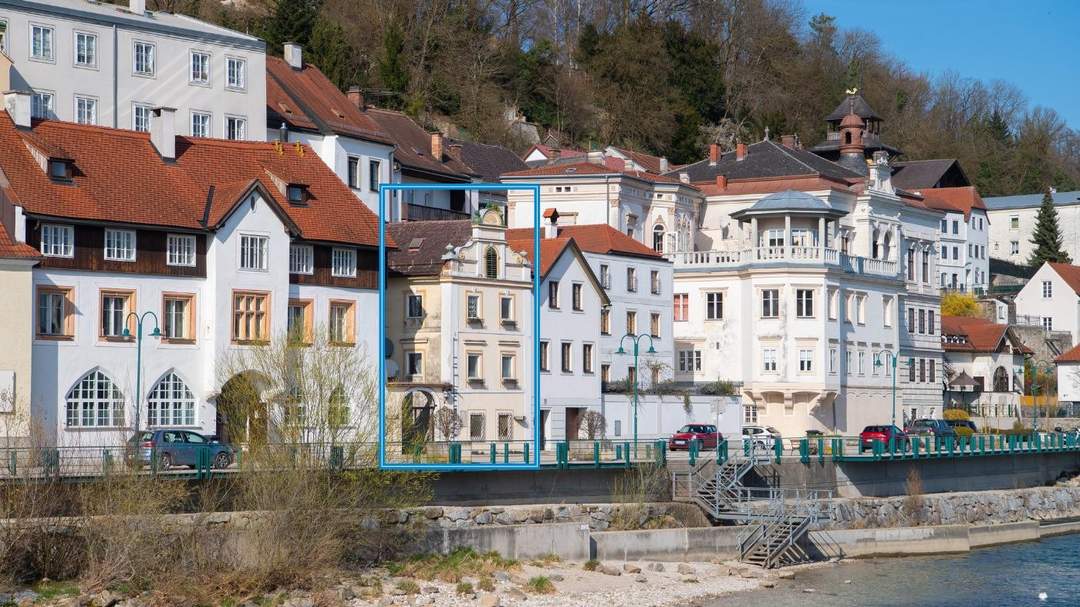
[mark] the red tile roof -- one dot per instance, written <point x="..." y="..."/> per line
<point x="553" y="153"/>
<point x="550" y="249"/>
<point x="120" y="177"/>
<point x="595" y="238"/>
<point x="414" y="146"/>
<point x="10" y="249"/>
<point x="1069" y="273"/>
<point x="1072" y="356"/>
<point x="979" y="335"/>
<point x="306" y="99"/>
<point x="647" y="161"/>
<point x="954" y="200"/>
<point x="588" y="168"/>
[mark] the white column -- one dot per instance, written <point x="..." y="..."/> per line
<point x="753" y="233"/>
<point x="787" y="236"/>
<point x="821" y="233"/>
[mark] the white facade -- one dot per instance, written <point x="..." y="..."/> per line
<point x="1012" y="222"/>
<point x="102" y="64"/>
<point x="362" y="165"/>
<point x="1068" y="381"/>
<point x="964" y="262"/>
<point x="1049" y="298"/>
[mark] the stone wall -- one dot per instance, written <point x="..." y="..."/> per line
<point x="597" y="516"/>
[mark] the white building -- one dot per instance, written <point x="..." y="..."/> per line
<point x="1052" y="295"/>
<point x="228" y="244"/>
<point x="1068" y="376"/>
<point x="984" y="368"/>
<point x="109" y="65"/>
<point x="1013" y="219"/>
<point x="964" y="260"/>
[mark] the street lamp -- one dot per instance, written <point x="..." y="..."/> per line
<point x="1035" y="366"/>
<point x="636" y="339"/>
<point x="138" y="356"/>
<point x="892" y="363"/>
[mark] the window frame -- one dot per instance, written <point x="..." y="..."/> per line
<point x="680" y="307"/>
<point x="374" y="174"/>
<point x="478" y="356"/>
<point x="577" y="297"/>
<point x="544" y="354"/>
<point x="203" y="79"/>
<point x="229" y="85"/>
<point x="631" y="279"/>
<point x="587" y="367"/>
<point x="263" y="253"/>
<point x="67" y="315"/>
<point x="183" y="408"/>
<point x="112" y="409"/>
<point x="714" y="305"/>
<point x="38" y="101"/>
<point x="348" y="335"/>
<point x="188" y="320"/>
<point x="343" y="262"/>
<point x="128" y="298"/>
<point x="765" y="301"/>
<point x="306" y="307"/>
<point x="655" y="285"/>
<point x="90" y="104"/>
<point x="301" y="259"/>
<point x="262" y="334"/>
<point x="512" y="377"/>
<point x="804" y="303"/>
<point x="605" y="321"/>
<point x="67" y="248"/>
<point x="151" y="58"/>
<point x="208" y="122"/>
<point x="566" y="357"/>
<point x="93" y="63"/>
<point x="770" y="364"/>
<point x="409" y="299"/>
<point x="231" y="122"/>
<point x="117" y="253"/>
<point x="43" y="58"/>
<point x="553" y="295"/>
<point x="504" y="317"/>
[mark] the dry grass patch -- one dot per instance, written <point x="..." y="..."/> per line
<point x="451" y="568"/>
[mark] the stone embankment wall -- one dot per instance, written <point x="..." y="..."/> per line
<point x="598" y="517"/>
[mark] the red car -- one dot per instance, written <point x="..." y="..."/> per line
<point x="706" y="435"/>
<point x="882" y="434"/>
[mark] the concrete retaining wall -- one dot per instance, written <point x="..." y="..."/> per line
<point x="694" y="543"/>
<point x="891" y="542"/>
<point x="568" y="540"/>
<point x="980" y="536"/>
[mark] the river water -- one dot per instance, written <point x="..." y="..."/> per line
<point x="1012" y="575"/>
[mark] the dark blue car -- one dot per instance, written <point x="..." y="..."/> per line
<point x="181" y="448"/>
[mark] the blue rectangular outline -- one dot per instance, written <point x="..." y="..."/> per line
<point x="482" y="187"/>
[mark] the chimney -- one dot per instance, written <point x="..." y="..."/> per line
<point x="721" y="182"/>
<point x="594" y="157"/>
<point x="283" y="133"/>
<point x="454" y="150"/>
<point x="740" y="151"/>
<point x="788" y="141"/>
<point x="714" y="153"/>
<point x="163" y="131"/>
<point x="684" y="177"/>
<point x="437" y="146"/>
<point x="356" y="97"/>
<point x="137" y="7"/>
<point x="294" y="55"/>
<point x="551" y="228"/>
<point x="17" y="104"/>
<point x="664" y="165"/>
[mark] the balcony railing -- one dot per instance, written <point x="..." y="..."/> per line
<point x="785" y="255"/>
<point x="419" y="212"/>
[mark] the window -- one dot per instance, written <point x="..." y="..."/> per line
<point x="42" y="105"/>
<point x="140" y="117"/>
<point x="119" y="245"/>
<point x="605" y="276"/>
<point x="930" y="328"/>
<point x="1047" y="289"/>
<point x="57" y="240"/>
<point x="85" y="49"/>
<point x="251" y="317"/>
<point x="374" y="174"/>
<point x="654" y="325"/>
<point x="586" y="358"/>
<point x="171" y="403"/>
<point x="834" y="304"/>
<point x="618" y="427"/>
<point x="472" y="307"/>
<point x="506" y="309"/>
<point x="41" y="43"/>
<point x="506" y="427"/>
<point x="911" y="320"/>
<point x="911" y="263"/>
<point x="770" y="303"/>
<point x="55" y="317"/>
<point x="342" y="322"/>
<point x="301" y="259"/>
<point x="115" y="306"/>
<point x="553" y="295"/>
<point x="922" y="321"/>
<point x="956" y="226"/>
<point x="768" y="360"/>
<point x="94" y="401"/>
<point x="922" y="370"/>
<point x="200" y="68"/>
<point x="689" y="361"/>
<point x="833" y="356"/>
<point x="1047" y="323"/>
<point x="681" y="307"/>
<point x="804" y="303"/>
<point x="1014" y="222"/>
<point x="631" y="323"/>
<point x="567" y="356"/>
<point x="750" y="414"/>
<point x="544" y="366"/>
<point x="3" y="36"/>
<point x="143" y="58"/>
<point x="926" y="266"/>
<point x="491" y="263"/>
<point x="862" y="362"/>
<point x="507" y="367"/>
<point x="414" y="305"/>
<point x="911" y="370"/>
<point x="933" y="370"/>
<point x="353" y="177"/>
<point x="299" y="325"/>
<point x="605" y="373"/>
<point x="85" y="110"/>
<point x="575" y="291"/>
<point x="296" y="193"/>
<point x="1014" y="247"/>
<point x="254" y="252"/>
<point x="654" y="281"/>
<point x="414" y="363"/>
<point x="235" y="73"/>
<point x="343" y="263"/>
<point x="605" y="321"/>
<point x="235" y="128"/>
<point x="177" y="317"/>
<point x="806" y="361"/>
<point x="631" y="280"/>
<point x="658" y="239"/>
<point x="774" y="237"/>
<point x="944" y="226"/>
<point x="200" y="124"/>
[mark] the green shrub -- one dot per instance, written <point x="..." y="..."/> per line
<point x="540" y="585"/>
<point x="962" y="431"/>
<point x="718" y="388"/>
<point x="464" y="588"/>
<point x="408" y="587"/>
<point x="486" y="584"/>
<point x="591" y="565"/>
<point x="956" y="415"/>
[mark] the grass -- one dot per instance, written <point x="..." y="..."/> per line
<point x="591" y="565"/>
<point x="51" y="590"/>
<point x="451" y="568"/>
<point x="546" y="560"/>
<point x="540" y="585"/>
<point x="408" y="587"/>
<point x="464" y="588"/>
<point x="486" y="584"/>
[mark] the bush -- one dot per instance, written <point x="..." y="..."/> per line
<point x="956" y="415"/>
<point x="962" y="431"/>
<point x="540" y="585"/>
<point x="954" y="303"/>
<point x="464" y="588"/>
<point x="591" y="565"/>
<point x="408" y="587"/>
<point x="719" y="387"/>
<point x="486" y="584"/>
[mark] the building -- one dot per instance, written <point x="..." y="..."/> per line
<point x="964" y="261"/>
<point x="303" y="105"/>
<point x="984" y="368"/>
<point x="229" y="244"/>
<point x="1013" y="218"/>
<point x="486" y="163"/>
<point x="459" y="302"/>
<point x="17" y="260"/>
<point x="1052" y="296"/>
<point x="109" y="65"/>
<point x="870" y="132"/>
<point x="1068" y="379"/>
<point x="639" y="161"/>
<point x="915" y="175"/>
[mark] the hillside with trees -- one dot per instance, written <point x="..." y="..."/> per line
<point x="663" y="76"/>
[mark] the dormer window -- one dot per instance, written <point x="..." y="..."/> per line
<point x="296" y="193"/>
<point x="60" y="169"/>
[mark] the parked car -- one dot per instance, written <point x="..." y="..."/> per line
<point x="706" y="434"/>
<point x="761" y="437"/>
<point x="963" y="423"/>
<point x="882" y="434"/>
<point x="179" y="448"/>
<point x="936" y="427"/>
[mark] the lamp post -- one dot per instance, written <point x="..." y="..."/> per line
<point x="636" y="339"/>
<point x="892" y="363"/>
<point x="138" y="356"/>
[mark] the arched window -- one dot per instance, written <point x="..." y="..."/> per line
<point x="847" y="136"/>
<point x="171" y="403"/>
<point x="95" y="401"/>
<point x="911" y="262"/>
<point x="1001" y="380"/>
<point x="658" y="238"/>
<point x="926" y="265"/>
<point x="491" y="263"/>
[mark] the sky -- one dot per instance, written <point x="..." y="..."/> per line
<point x="1034" y="44"/>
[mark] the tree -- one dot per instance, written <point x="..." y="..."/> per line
<point x="290" y="21"/>
<point x="1047" y="237"/>
<point x="954" y="303"/>
<point x="593" y="425"/>
<point x="448" y="422"/>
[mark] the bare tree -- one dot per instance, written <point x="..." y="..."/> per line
<point x="593" y="425"/>
<point x="448" y="422"/>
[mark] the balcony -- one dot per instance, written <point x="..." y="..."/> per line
<point x="419" y="212"/>
<point x="794" y="255"/>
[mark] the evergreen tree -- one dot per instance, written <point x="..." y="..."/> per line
<point x="1047" y="237"/>
<point x="392" y="67"/>
<point x="290" y="21"/>
<point x="331" y="52"/>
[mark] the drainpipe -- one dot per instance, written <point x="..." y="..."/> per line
<point x="115" y="78"/>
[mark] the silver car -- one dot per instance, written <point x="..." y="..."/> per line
<point x="760" y="437"/>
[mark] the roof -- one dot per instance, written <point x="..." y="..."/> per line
<point x="305" y="99"/>
<point x="1069" y="273"/>
<point x="936" y="173"/>
<point x="1072" y="356"/>
<point x="588" y="168"/>
<point x="552" y="152"/>
<point x="597" y="238"/>
<point x="870" y="142"/>
<point x="414" y="146"/>
<point x="423" y="243"/>
<point x="788" y="200"/>
<point x="978" y="335"/>
<point x="953" y="200"/>
<point x="10" y="249"/>
<point x="551" y="249"/>
<point x="646" y="161"/>
<point x="120" y="177"/>
<point x="487" y="161"/>
<point x="853" y="102"/>
<point x="768" y="159"/>
<point x="1031" y="201"/>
